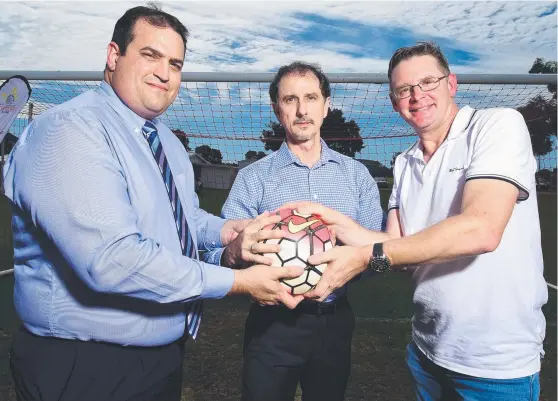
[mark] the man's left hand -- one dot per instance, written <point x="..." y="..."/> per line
<point x="232" y="228"/>
<point x="246" y="247"/>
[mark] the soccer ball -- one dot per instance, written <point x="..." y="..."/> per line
<point x="307" y="235"/>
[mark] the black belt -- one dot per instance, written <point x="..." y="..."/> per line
<point x="317" y="308"/>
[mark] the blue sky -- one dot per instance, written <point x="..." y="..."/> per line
<point x="361" y="40"/>
<point x="477" y="37"/>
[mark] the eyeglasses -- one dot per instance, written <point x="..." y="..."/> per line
<point x="426" y="85"/>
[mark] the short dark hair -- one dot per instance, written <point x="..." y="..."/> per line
<point x="299" y="68"/>
<point x="123" y="33"/>
<point x="420" y="49"/>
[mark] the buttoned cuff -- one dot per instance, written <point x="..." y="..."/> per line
<point x="214" y="256"/>
<point x="212" y="237"/>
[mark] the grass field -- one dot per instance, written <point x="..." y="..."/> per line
<point x="382" y="306"/>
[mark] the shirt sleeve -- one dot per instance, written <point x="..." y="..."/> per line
<point x="502" y="150"/>
<point x="242" y="203"/>
<point x="66" y="177"/>
<point x="208" y="226"/>
<point x="370" y="214"/>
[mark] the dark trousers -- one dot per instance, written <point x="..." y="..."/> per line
<point x="283" y="348"/>
<point x="48" y="369"/>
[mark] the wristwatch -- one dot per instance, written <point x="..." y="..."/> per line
<point x="379" y="261"/>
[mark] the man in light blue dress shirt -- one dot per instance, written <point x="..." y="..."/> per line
<point x="311" y="344"/>
<point x="102" y="283"/>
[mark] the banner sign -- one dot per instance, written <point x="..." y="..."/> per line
<point x="14" y="93"/>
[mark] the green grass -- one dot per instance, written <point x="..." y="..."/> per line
<point x="382" y="306"/>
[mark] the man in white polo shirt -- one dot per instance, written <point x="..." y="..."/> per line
<point x="463" y="213"/>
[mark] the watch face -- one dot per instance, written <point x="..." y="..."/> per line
<point x="380" y="265"/>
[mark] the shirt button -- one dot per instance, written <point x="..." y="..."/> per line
<point x="136" y="130"/>
<point x="315" y="196"/>
<point x="213" y="243"/>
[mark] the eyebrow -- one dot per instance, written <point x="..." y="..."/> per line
<point x="420" y="80"/>
<point x="306" y="94"/>
<point x="157" y="53"/>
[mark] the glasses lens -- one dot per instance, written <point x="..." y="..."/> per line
<point x="429" y="84"/>
<point x="402" y="93"/>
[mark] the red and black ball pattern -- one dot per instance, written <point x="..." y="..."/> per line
<point x="307" y="235"/>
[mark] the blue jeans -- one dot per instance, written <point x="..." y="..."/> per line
<point x="434" y="383"/>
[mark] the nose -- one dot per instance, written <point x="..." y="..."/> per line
<point x="416" y="93"/>
<point x="162" y="70"/>
<point x="302" y="108"/>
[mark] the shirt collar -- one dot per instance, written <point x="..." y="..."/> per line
<point x="285" y="156"/>
<point x="459" y="126"/>
<point x="132" y="119"/>
<point x="461" y="122"/>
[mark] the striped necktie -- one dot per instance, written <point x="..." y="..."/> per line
<point x="189" y="249"/>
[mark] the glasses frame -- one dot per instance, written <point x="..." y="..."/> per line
<point x="411" y="87"/>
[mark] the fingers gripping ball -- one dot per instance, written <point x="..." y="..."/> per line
<point x="307" y="235"/>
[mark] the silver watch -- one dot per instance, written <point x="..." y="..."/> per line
<point x="379" y="261"/>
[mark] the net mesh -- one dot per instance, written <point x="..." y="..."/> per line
<point x="231" y="116"/>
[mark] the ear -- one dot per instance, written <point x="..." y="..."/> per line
<point x="452" y="84"/>
<point x="327" y="105"/>
<point x="394" y="103"/>
<point x="275" y="110"/>
<point x="113" y="52"/>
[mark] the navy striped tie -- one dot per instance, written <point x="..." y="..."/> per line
<point x="189" y="249"/>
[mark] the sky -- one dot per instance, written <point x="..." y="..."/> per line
<point x="481" y="37"/>
<point x="258" y="36"/>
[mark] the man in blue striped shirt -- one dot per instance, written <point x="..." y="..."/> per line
<point x="106" y="236"/>
<point x="311" y="344"/>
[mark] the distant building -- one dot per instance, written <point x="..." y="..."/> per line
<point x="245" y="162"/>
<point x="216" y="176"/>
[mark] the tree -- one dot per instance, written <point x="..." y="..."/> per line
<point x="542" y="67"/>
<point x="181" y="135"/>
<point x="213" y="156"/>
<point x="253" y="155"/>
<point x="377" y="169"/>
<point x="540" y="113"/>
<point x="340" y="135"/>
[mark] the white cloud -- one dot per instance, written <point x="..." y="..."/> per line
<point x="507" y="36"/>
<point x="261" y="36"/>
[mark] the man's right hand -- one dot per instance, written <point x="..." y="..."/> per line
<point x="247" y="249"/>
<point x="262" y="283"/>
